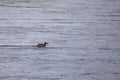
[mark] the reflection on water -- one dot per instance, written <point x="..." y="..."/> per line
<point x="83" y="39"/>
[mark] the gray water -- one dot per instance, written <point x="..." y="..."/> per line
<point x="83" y="37"/>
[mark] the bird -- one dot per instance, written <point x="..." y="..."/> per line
<point x="42" y="45"/>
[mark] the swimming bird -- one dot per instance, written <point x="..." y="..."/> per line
<point x="39" y="45"/>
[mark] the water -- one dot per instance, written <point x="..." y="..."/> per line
<point x="83" y="37"/>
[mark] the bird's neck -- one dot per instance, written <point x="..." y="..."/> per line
<point x="45" y="44"/>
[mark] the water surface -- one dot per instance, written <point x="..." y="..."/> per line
<point x="83" y="37"/>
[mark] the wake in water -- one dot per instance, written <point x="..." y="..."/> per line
<point x="36" y="47"/>
<point x="18" y="46"/>
<point x="39" y="45"/>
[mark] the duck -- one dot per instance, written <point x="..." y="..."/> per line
<point x="39" y="45"/>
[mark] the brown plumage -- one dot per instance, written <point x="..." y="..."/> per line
<point x="42" y="45"/>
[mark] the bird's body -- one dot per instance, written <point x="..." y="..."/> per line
<point x="42" y="45"/>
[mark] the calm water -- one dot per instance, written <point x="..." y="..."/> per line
<point x="83" y="37"/>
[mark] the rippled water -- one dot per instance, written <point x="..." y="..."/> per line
<point x="83" y="37"/>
